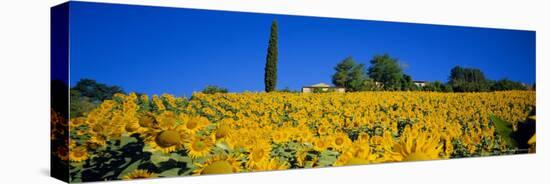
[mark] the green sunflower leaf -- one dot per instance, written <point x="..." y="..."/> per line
<point x="180" y="158"/>
<point x="129" y="168"/>
<point x="170" y="172"/>
<point x="505" y="131"/>
<point x="158" y="157"/>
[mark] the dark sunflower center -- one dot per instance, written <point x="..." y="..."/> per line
<point x="259" y="154"/>
<point x="221" y="134"/>
<point x="98" y="128"/>
<point x="199" y="145"/>
<point x="78" y="153"/>
<point x="168" y="138"/>
<point x="339" y="141"/>
<point x="218" y="167"/>
<point x="191" y="124"/>
<point x="146" y="122"/>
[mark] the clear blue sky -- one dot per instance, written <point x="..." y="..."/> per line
<point x="172" y="50"/>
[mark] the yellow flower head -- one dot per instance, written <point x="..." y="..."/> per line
<point x="199" y="146"/>
<point x="416" y="145"/>
<point x="340" y="141"/>
<point x="271" y="165"/>
<point x="219" y="164"/>
<point x="78" y="154"/>
<point x="194" y="124"/>
<point x="260" y="152"/>
<point x="139" y="174"/>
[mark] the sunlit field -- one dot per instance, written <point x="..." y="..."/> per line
<point x="135" y="136"/>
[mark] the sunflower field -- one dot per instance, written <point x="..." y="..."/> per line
<point x="134" y="136"/>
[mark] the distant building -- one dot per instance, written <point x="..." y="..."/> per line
<point x="322" y="87"/>
<point x="420" y="83"/>
<point x="379" y="85"/>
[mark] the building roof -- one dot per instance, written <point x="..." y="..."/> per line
<point x="320" y="85"/>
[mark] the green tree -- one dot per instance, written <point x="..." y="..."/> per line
<point x="212" y="89"/>
<point x="468" y="80"/>
<point x="96" y="92"/>
<point x="343" y="69"/>
<point x="87" y="94"/>
<point x="407" y="83"/>
<point x="386" y="70"/>
<point x="447" y="88"/>
<point x="350" y="75"/>
<point x="437" y="86"/>
<point x="80" y="105"/>
<point x="270" y="78"/>
<point x="287" y="90"/>
<point x="370" y="85"/>
<point x="358" y="77"/>
<point x="506" y="84"/>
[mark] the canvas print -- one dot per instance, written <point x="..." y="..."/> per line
<point x="150" y="92"/>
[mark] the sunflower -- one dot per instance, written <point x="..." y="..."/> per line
<point x="166" y="120"/>
<point x="139" y="174"/>
<point x="132" y="127"/>
<point x="271" y="165"/>
<point x="194" y="124"/>
<point x="80" y="132"/>
<point x="279" y="137"/>
<point x="98" y="139"/>
<point x="320" y="143"/>
<point x="199" y="146"/>
<point x="98" y="128"/>
<point x="349" y="159"/>
<point x="62" y="152"/>
<point x="75" y="122"/>
<point x="302" y="156"/>
<point x="147" y="120"/>
<point x="340" y="141"/>
<point x="258" y="153"/>
<point x="222" y="132"/>
<point x="416" y="145"/>
<point x="363" y="137"/>
<point x="219" y="164"/>
<point x="167" y="137"/>
<point x="323" y="129"/>
<point x="356" y="154"/>
<point x="167" y="141"/>
<point x="78" y="154"/>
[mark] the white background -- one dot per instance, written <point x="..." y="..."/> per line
<point x="24" y="89"/>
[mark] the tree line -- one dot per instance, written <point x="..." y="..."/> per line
<point x="385" y="73"/>
<point x="87" y="94"/>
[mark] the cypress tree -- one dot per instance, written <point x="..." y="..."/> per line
<point x="270" y="78"/>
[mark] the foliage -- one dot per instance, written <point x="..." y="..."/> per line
<point x="321" y="90"/>
<point x="517" y="135"/>
<point x="134" y="136"/>
<point x="371" y="85"/>
<point x="407" y="83"/>
<point x="468" y="80"/>
<point x="438" y="87"/>
<point x="270" y="77"/>
<point x="87" y="94"/>
<point x="95" y="91"/>
<point x="212" y="89"/>
<point x="350" y="75"/>
<point x="386" y="70"/>
<point x="287" y="90"/>
<point x="79" y="105"/>
<point x="505" y="85"/>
